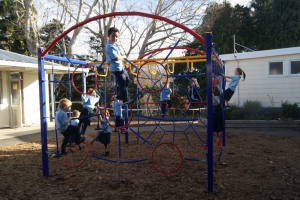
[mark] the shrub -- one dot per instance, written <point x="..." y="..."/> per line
<point x="272" y="114"/>
<point x="289" y="110"/>
<point x="252" y="110"/>
<point x="234" y="113"/>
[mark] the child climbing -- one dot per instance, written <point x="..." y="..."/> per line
<point x="218" y="116"/>
<point x="89" y="102"/>
<point x="115" y="58"/>
<point x="104" y="138"/>
<point x="228" y="93"/>
<point x="119" y="121"/>
<point x="166" y="102"/>
<point x="192" y="94"/>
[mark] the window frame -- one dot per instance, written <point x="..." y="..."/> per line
<point x="275" y="75"/>
<point x="290" y="67"/>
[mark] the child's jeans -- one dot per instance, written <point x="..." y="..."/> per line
<point x="119" y="121"/>
<point x="164" y="106"/>
<point x="73" y="132"/>
<point x="122" y="81"/>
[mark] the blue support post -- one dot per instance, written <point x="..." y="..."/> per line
<point x="126" y="122"/>
<point x="210" y="162"/>
<point x="224" y="112"/>
<point x="171" y="51"/>
<point x="43" y="119"/>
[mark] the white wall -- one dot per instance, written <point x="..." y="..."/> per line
<point x="32" y="98"/>
<point x="259" y="86"/>
<point x="4" y="108"/>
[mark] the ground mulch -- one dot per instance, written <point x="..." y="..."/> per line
<point x="252" y="166"/>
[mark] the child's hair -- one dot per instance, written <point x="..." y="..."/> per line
<point x="91" y="91"/>
<point x="106" y="112"/>
<point x="241" y="72"/>
<point x="75" y="113"/>
<point x="216" y="90"/>
<point x="166" y="83"/>
<point x="64" y="102"/>
<point x="195" y="81"/>
<point x="111" y="30"/>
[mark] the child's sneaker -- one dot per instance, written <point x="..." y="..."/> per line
<point x="58" y="155"/>
<point x="106" y="153"/>
<point x="227" y="107"/>
<point x="82" y="139"/>
<point x="124" y="130"/>
<point x="69" y="144"/>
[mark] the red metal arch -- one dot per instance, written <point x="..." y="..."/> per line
<point x="193" y="33"/>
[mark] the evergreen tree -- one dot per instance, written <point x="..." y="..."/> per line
<point x="49" y="32"/>
<point x="232" y="21"/>
<point x="276" y="23"/>
<point x="12" y="36"/>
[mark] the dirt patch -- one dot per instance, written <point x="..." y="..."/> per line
<point x="252" y="166"/>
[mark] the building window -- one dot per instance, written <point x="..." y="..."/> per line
<point x="275" y="68"/>
<point x="295" y="67"/>
<point x="1" y="89"/>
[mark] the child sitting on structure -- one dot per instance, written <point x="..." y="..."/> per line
<point x="104" y="137"/>
<point x="75" y="114"/>
<point x="74" y="122"/>
<point x="62" y="125"/>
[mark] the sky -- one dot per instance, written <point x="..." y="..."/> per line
<point x="234" y="2"/>
<point x="82" y="48"/>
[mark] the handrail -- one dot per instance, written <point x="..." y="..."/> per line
<point x="151" y="71"/>
<point x="130" y="64"/>
<point x="103" y="65"/>
<point x="168" y="64"/>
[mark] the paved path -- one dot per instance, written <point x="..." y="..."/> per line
<point x="14" y="136"/>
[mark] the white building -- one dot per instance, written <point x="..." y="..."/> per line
<point x="19" y="89"/>
<point x="273" y="76"/>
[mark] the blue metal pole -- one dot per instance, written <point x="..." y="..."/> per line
<point x="69" y="89"/>
<point x="209" y="112"/>
<point x="171" y="51"/>
<point x="54" y="106"/>
<point x="61" y="59"/>
<point x="105" y="99"/>
<point x="126" y="122"/>
<point x="224" y="112"/>
<point x="43" y="119"/>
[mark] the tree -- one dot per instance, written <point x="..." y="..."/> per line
<point x="232" y="21"/>
<point x="49" y="32"/>
<point x="11" y="28"/>
<point x="212" y="13"/>
<point x="31" y="33"/>
<point x="276" y="23"/>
